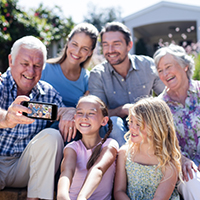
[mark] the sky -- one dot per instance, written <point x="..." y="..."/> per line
<point x="77" y="9"/>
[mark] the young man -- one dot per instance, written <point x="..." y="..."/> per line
<point x="122" y="78"/>
<point x="29" y="155"/>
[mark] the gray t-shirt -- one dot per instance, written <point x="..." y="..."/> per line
<point x="116" y="91"/>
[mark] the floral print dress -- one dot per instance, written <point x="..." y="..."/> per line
<point x="143" y="180"/>
<point x="187" y="121"/>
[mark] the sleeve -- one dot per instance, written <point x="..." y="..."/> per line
<point x="51" y="95"/>
<point x="44" y="72"/>
<point x="112" y="143"/>
<point x="95" y="85"/>
<point x="158" y="85"/>
<point x="58" y="100"/>
<point x="72" y="145"/>
<point x="87" y="75"/>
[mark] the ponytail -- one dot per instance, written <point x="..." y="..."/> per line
<point x="96" y="152"/>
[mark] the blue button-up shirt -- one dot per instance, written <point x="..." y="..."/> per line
<point x="116" y="91"/>
<point x="14" y="140"/>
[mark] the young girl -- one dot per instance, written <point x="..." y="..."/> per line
<point x="88" y="166"/>
<point x="148" y="165"/>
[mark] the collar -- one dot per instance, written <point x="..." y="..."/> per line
<point x="192" y="89"/>
<point x="132" y="67"/>
<point x="37" y="89"/>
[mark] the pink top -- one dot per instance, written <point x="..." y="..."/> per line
<point x="104" y="190"/>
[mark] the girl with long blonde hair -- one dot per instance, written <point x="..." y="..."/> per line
<point x="149" y="164"/>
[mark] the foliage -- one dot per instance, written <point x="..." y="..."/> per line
<point x="100" y="16"/>
<point x="194" y="50"/>
<point x="51" y="26"/>
<point x="196" y="75"/>
<point x="43" y="23"/>
<point x="140" y="47"/>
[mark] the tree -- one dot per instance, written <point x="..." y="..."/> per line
<point x="42" y="23"/>
<point x="140" y="47"/>
<point x="100" y="16"/>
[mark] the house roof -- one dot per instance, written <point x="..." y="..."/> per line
<point x="163" y="19"/>
<point x="162" y="4"/>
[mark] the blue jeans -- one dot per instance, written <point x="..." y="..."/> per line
<point x="119" y="129"/>
<point x="77" y="137"/>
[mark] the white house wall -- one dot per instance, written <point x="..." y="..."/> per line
<point x="164" y="12"/>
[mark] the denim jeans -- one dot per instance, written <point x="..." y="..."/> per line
<point x="119" y="129"/>
<point x="77" y="137"/>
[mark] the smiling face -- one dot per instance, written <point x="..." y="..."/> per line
<point x="26" y="69"/>
<point x="171" y="73"/>
<point x="79" y="48"/>
<point x="115" y="49"/>
<point x="89" y="117"/>
<point x="137" y="135"/>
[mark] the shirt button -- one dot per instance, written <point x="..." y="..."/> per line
<point x="114" y="92"/>
<point x="129" y="92"/>
<point x="143" y="86"/>
<point x="122" y="80"/>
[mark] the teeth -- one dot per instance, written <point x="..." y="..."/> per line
<point x="134" y="134"/>
<point x="29" y="78"/>
<point x="85" y="125"/>
<point x="170" y="78"/>
<point x="112" y="56"/>
<point x="75" y="56"/>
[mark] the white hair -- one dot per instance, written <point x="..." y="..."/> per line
<point x="180" y="56"/>
<point x="28" y="42"/>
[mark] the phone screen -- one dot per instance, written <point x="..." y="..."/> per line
<point x="41" y="110"/>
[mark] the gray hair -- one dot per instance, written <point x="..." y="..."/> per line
<point x="28" y="42"/>
<point x="179" y="55"/>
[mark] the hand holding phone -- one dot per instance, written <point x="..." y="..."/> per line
<point x="41" y="110"/>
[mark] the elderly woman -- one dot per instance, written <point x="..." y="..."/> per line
<point x="182" y="94"/>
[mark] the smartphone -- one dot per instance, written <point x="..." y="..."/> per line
<point x="41" y="110"/>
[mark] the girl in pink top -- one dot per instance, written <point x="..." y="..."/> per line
<point x="88" y="166"/>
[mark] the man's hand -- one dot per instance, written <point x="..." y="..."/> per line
<point x="121" y="111"/>
<point x="66" y="124"/>
<point x="13" y="116"/>
<point x="187" y="167"/>
<point x="125" y="108"/>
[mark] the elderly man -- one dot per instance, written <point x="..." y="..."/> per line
<point x="29" y="154"/>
